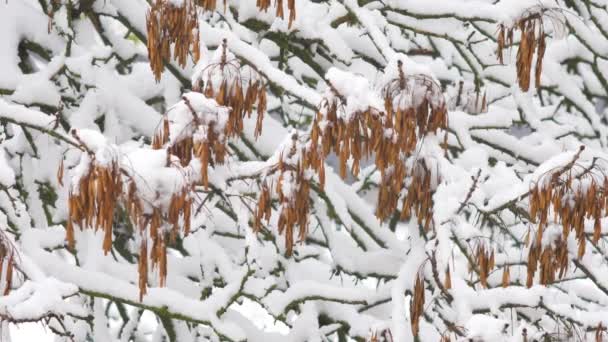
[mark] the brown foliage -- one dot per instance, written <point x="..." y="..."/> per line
<point x="414" y="107"/>
<point x="417" y="303"/>
<point x="484" y="262"/>
<point x="574" y="193"/>
<point x="263" y="5"/>
<point x="294" y="206"/>
<point x="169" y="25"/>
<point x="533" y="39"/>
<point x="93" y="202"/>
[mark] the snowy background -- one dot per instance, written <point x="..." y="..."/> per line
<point x="298" y="170"/>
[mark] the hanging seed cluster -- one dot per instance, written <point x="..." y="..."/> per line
<point x="354" y="137"/>
<point x="206" y="140"/>
<point x="97" y="193"/>
<point x="7" y="263"/>
<point x="532" y="39"/>
<point x="207" y="136"/>
<point x="263" y="5"/>
<point x="170" y="26"/>
<point x="552" y="259"/>
<point x="292" y="189"/>
<point x="414" y="106"/>
<point x="225" y="81"/>
<point x="419" y="198"/>
<point x="417" y="303"/>
<point x="92" y="202"/>
<point x="484" y="262"/>
<point x="162" y="228"/>
<point x="573" y="193"/>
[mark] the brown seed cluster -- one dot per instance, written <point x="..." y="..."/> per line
<point x="419" y="198"/>
<point x="212" y="148"/>
<point x="209" y="150"/>
<point x="484" y="259"/>
<point x="170" y="25"/>
<point x="574" y="193"/>
<point x="417" y="303"/>
<point x="263" y="5"/>
<point x="225" y="82"/>
<point x="294" y="205"/>
<point x="94" y="200"/>
<point x="552" y="259"/>
<point x="100" y="190"/>
<point x="533" y="39"/>
<point x="354" y="138"/>
<point x="413" y="107"/>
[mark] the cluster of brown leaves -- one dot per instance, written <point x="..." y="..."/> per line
<point x="355" y="138"/>
<point x="420" y="115"/>
<point x="168" y="24"/>
<point x="294" y="206"/>
<point x="180" y="206"/>
<point x="7" y="257"/>
<point x="419" y="198"/>
<point x="210" y="151"/>
<point x="93" y="202"/>
<point x="417" y="303"/>
<point x="414" y="107"/>
<point x="424" y="112"/>
<point x="484" y="262"/>
<point x="263" y="5"/>
<point x="533" y="37"/>
<point x="213" y="149"/>
<point x="565" y="192"/>
<point x="230" y="92"/>
<point x="574" y="193"/>
<point x="552" y="258"/>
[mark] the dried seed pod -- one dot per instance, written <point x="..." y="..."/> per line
<point x="142" y="269"/>
<point x="448" y="279"/>
<point x="501" y="42"/>
<point x="506" y="276"/>
<point x="60" y="171"/>
<point x="417" y="303"/>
